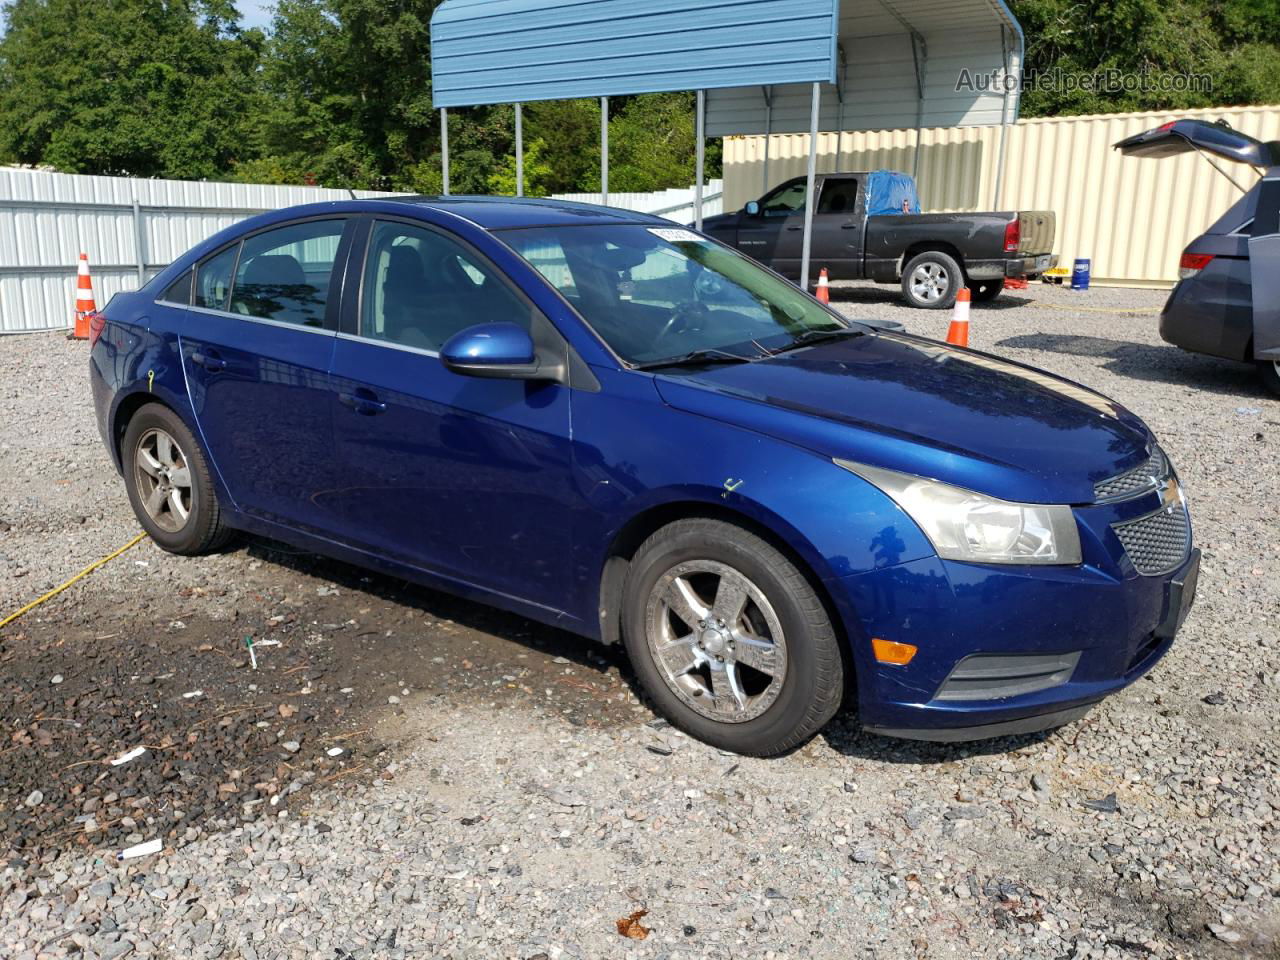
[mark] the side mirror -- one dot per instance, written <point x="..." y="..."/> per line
<point x="752" y="209"/>
<point x="495" y="350"/>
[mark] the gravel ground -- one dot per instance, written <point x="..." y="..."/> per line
<point x="502" y="792"/>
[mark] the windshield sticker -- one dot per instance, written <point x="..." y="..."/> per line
<point x="676" y="236"/>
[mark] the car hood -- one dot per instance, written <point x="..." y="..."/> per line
<point x="921" y="407"/>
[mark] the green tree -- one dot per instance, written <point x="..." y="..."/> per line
<point x="1232" y="42"/>
<point x="139" y="87"/>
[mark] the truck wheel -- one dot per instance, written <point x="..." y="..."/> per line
<point x="984" y="291"/>
<point x="1270" y="371"/>
<point x="931" y="280"/>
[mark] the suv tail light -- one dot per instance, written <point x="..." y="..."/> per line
<point x="1013" y="236"/>
<point x="1193" y="263"/>
<point x="97" y="323"/>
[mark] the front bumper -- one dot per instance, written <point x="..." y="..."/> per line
<point x="1085" y="633"/>
<point x="1031" y="266"/>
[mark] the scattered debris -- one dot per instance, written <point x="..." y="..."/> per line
<point x="124" y="758"/>
<point x="1216" y="699"/>
<point x="334" y="751"/>
<point x="631" y="927"/>
<point x="193" y="694"/>
<point x="141" y="850"/>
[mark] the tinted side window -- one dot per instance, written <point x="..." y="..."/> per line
<point x="213" y="279"/>
<point x="421" y="287"/>
<point x="838" y="196"/>
<point x="284" y="274"/>
<point x="785" y="201"/>
<point x="179" y="291"/>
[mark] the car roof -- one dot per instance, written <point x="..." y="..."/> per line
<point x="507" y="213"/>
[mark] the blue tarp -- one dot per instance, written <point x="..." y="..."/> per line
<point x="886" y="191"/>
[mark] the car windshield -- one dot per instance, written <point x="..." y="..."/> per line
<point x="664" y="293"/>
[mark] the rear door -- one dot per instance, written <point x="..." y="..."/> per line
<point x="837" y="228"/>
<point x="470" y="478"/>
<point x="256" y="349"/>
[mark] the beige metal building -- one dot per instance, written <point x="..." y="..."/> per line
<point x="1131" y="217"/>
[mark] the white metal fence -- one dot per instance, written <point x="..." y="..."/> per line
<point x="677" y="205"/>
<point x="131" y="229"/>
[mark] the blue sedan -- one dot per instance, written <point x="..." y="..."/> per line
<point x="610" y="424"/>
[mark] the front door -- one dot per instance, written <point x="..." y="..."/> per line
<point x="469" y="478"/>
<point x="256" y="348"/>
<point x="775" y="235"/>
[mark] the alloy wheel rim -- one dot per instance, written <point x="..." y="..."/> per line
<point x="163" y="478"/>
<point x="929" y="282"/>
<point x="716" y="640"/>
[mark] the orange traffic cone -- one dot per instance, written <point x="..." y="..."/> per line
<point x="85" y="307"/>
<point x="958" y="335"/>
<point x="823" y="293"/>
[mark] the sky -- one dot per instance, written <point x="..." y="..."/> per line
<point x="257" y="13"/>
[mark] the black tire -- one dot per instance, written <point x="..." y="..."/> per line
<point x="811" y="688"/>
<point x="202" y="530"/>
<point x="946" y="269"/>
<point x="984" y="291"/>
<point x="1269" y="370"/>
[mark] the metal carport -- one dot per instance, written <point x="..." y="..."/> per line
<point x="758" y="66"/>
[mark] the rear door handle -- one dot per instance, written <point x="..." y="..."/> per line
<point x="795" y="229"/>
<point x="848" y="226"/>
<point x="210" y="361"/>
<point x="364" y="402"/>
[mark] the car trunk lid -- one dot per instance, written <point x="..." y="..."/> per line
<point x="1183" y="136"/>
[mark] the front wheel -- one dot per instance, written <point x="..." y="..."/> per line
<point x="1270" y="372"/>
<point x="729" y="638"/>
<point x="932" y="280"/>
<point x="169" y="484"/>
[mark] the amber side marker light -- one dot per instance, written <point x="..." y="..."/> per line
<point x="898" y="654"/>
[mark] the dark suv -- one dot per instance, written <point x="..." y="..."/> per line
<point x="1227" y="302"/>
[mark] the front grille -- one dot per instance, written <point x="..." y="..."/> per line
<point x="1159" y="542"/>
<point x="1143" y="478"/>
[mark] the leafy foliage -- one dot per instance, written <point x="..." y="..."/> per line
<point x="338" y="92"/>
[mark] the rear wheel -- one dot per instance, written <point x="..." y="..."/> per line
<point x="729" y="639"/>
<point x="169" y="484"/>
<point x="985" y="291"/>
<point x="1270" y="371"/>
<point x="932" y="280"/>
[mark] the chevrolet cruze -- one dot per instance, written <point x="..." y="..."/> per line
<point x="610" y="424"/>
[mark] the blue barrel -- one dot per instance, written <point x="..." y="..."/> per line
<point x="1080" y="275"/>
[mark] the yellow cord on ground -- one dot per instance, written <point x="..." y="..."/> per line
<point x="78" y="577"/>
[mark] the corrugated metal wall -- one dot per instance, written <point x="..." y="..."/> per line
<point x="1131" y="217"/>
<point x="48" y="219"/>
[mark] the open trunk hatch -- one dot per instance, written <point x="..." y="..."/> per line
<point x="1183" y="136"/>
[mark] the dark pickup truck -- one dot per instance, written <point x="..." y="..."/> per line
<point x="932" y="255"/>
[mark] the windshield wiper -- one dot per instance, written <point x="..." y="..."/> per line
<point x="810" y="337"/>
<point x="695" y="358"/>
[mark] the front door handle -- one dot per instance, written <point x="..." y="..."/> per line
<point x="795" y="229"/>
<point x="210" y="361"/>
<point x="364" y="402"/>
<point x="848" y="226"/>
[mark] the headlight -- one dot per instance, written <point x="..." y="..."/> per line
<point x="963" y="525"/>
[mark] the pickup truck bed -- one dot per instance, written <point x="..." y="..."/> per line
<point x="932" y="255"/>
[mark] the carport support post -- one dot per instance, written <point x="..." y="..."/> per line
<point x="702" y="158"/>
<point x="604" y="150"/>
<point x="813" y="176"/>
<point x="444" y="147"/>
<point x="768" y="134"/>
<point x="519" y="151"/>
